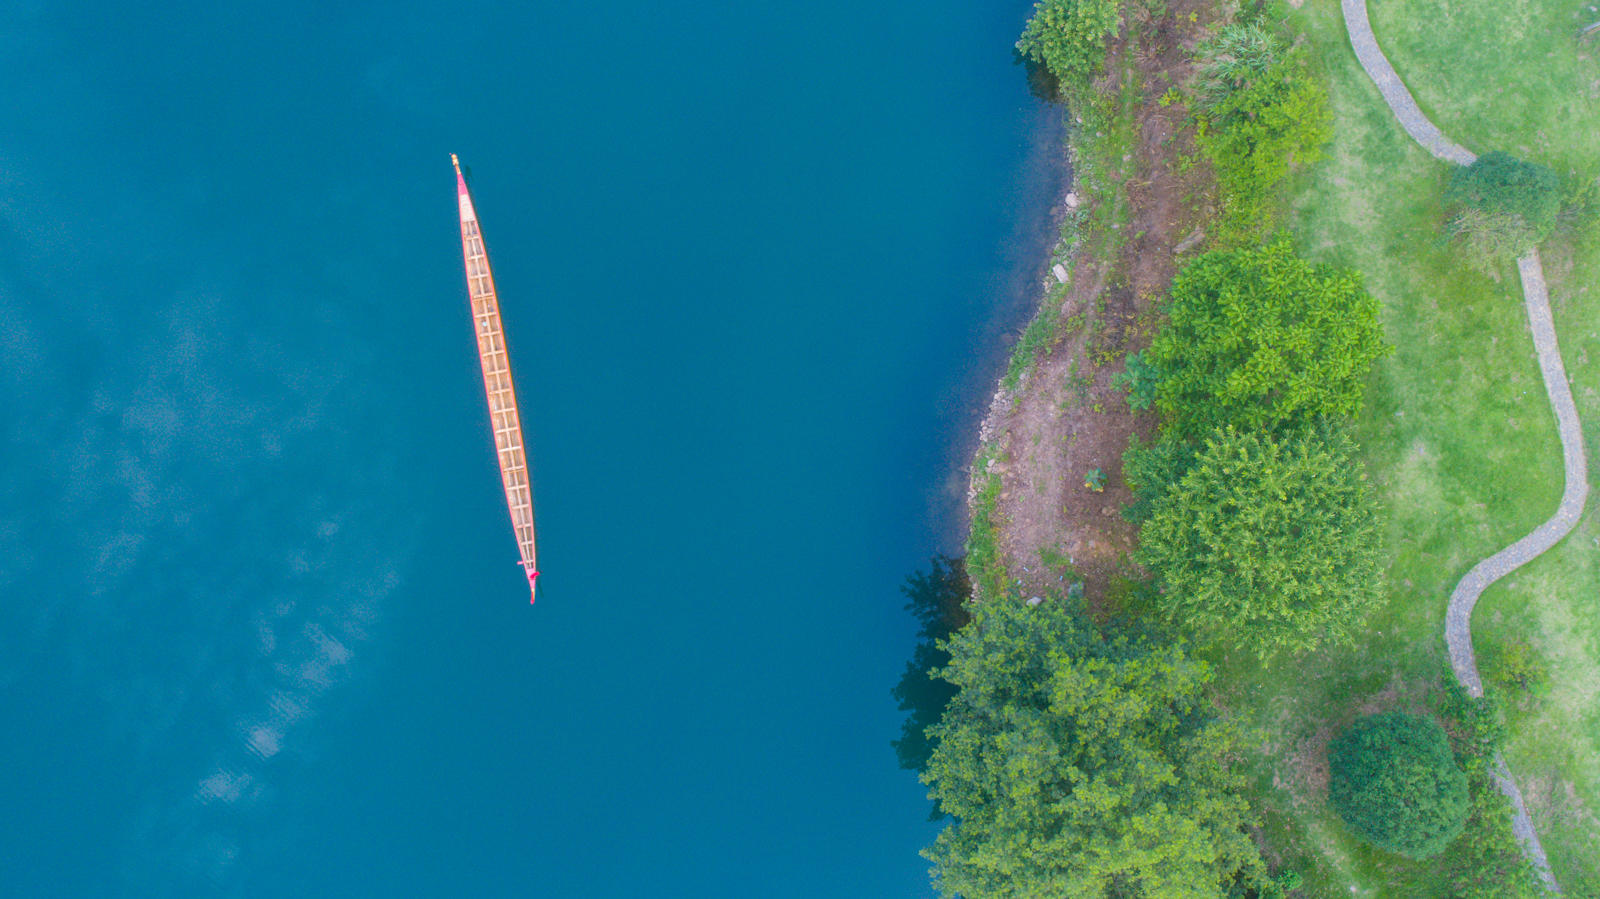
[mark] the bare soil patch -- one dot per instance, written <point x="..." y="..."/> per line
<point x="1065" y="418"/>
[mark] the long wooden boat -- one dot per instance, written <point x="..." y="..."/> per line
<point x="503" y="416"/>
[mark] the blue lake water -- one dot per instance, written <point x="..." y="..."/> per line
<point x="262" y="631"/>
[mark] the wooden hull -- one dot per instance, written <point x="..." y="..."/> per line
<point x="504" y="419"/>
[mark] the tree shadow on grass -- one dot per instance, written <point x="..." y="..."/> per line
<point x="937" y="598"/>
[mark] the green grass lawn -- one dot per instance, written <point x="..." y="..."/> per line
<point x="1459" y="437"/>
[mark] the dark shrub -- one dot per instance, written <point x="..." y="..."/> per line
<point x="1502" y="207"/>
<point x="1394" y="781"/>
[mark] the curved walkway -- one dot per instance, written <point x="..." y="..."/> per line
<point x="1394" y="90"/>
<point x="1458" y="618"/>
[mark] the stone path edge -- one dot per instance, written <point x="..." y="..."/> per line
<point x="1458" y="616"/>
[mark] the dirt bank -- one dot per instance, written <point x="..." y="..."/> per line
<point x="1140" y="194"/>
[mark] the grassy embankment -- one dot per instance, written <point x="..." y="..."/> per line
<point x="1458" y="436"/>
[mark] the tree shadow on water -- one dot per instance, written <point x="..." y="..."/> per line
<point x="1042" y="83"/>
<point x="936" y="597"/>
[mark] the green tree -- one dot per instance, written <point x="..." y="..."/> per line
<point x="1082" y="766"/>
<point x="1272" y="541"/>
<point x="1068" y="36"/>
<point x="1260" y="338"/>
<point x="1393" y="780"/>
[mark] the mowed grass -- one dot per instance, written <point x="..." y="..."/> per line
<point x="1459" y="437"/>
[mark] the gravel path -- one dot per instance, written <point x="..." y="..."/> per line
<point x="1394" y="90"/>
<point x="1458" y="618"/>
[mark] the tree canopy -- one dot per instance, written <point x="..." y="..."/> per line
<point x="1150" y="470"/>
<point x="1260" y="338"/>
<point x="1272" y="539"/>
<point x="1077" y="765"/>
<point x="1394" y="781"/>
<point x="1068" y="36"/>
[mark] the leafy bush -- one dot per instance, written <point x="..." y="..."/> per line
<point x="1515" y="667"/>
<point x="1260" y="338"/>
<point x="1077" y="765"/>
<point x="1487" y="863"/>
<point x="1139" y="378"/>
<point x="1393" y="780"/>
<point x="1273" y="542"/>
<point x="985" y="569"/>
<point x="1498" y="182"/>
<point x="1254" y="134"/>
<point x="1477" y="725"/>
<point x="1491" y="239"/>
<point x="1036" y="340"/>
<point x="1580" y="207"/>
<point x="1501" y="207"/>
<point x="1240" y="53"/>
<point x="1068" y="36"/>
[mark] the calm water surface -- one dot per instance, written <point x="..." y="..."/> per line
<point x="263" y="632"/>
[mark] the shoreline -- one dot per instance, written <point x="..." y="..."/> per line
<point x="1043" y="182"/>
<point x="1054" y="418"/>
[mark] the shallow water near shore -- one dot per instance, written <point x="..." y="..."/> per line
<point x="263" y="631"/>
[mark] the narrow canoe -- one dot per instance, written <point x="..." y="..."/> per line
<point x="503" y="416"/>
